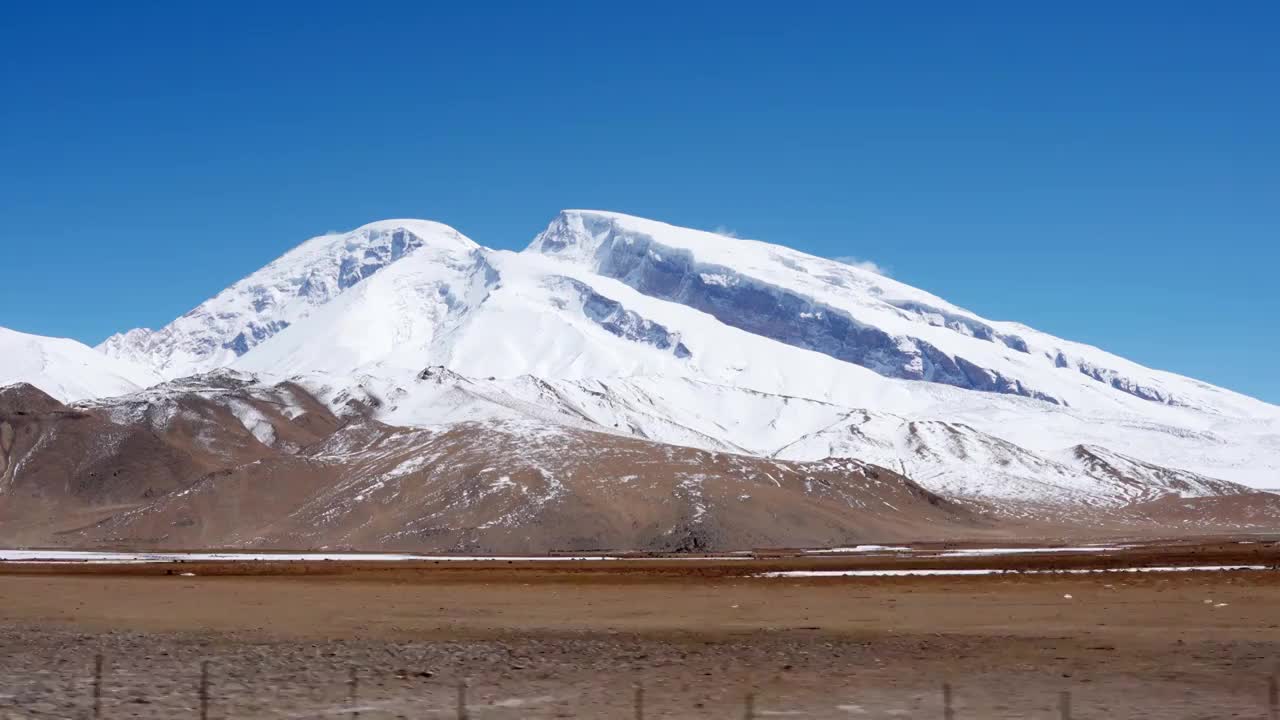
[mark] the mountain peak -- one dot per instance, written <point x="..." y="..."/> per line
<point x="262" y="304"/>
<point x="578" y="233"/>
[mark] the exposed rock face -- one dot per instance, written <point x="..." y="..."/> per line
<point x="621" y="322"/>
<point x="27" y="399"/>
<point x="775" y="313"/>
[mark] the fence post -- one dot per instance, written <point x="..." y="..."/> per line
<point x="750" y="713"/>
<point x="97" y="686"/>
<point x="204" y="690"/>
<point x="1064" y="704"/>
<point x="947" y="712"/>
<point x="462" y="700"/>
<point x="1274" y="696"/>
<point x="355" y="692"/>
<point x="639" y="696"/>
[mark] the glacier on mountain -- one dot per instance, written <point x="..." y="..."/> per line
<point x="244" y="315"/>
<point x="635" y="327"/>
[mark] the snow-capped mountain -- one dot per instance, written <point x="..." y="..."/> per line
<point x="236" y="320"/>
<point x="66" y="369"/>
<point x="633" y="327"/>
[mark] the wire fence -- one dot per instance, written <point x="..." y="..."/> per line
<point x="206" y="694"/>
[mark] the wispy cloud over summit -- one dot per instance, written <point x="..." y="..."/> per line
<point x="868" y="265"/>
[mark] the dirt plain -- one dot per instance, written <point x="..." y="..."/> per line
<point x="574" y="639"/>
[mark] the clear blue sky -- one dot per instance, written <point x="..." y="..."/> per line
<point x="1108" y="172"/>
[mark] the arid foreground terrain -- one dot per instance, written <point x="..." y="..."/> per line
<point x="566" y="639"/>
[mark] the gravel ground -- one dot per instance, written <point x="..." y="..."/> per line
<point x="49" y="674"/>
<point x="560" y="644"/>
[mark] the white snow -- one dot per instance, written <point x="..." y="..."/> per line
<point x="861" y="549"/>
<point x="213" y="334"/>
<point x="993" y="571"/>
<point x="981" y="552"/>
<point x="65" y="369"/>
<point x="254" y="421"/>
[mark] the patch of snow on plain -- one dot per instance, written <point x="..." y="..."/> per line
<point x="861" y="549"/>
<point x="979" y="552"/>
<point x="994" y="571"/>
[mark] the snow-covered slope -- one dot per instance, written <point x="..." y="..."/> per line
<point x="858" y="316"/>
<point x="66" y="369"/>
<point x="257" y="307"/>
<point x="948" y="457"/>
<point x="634" y="327"/>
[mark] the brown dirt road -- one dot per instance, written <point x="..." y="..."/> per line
<point x="572" y="642"/>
